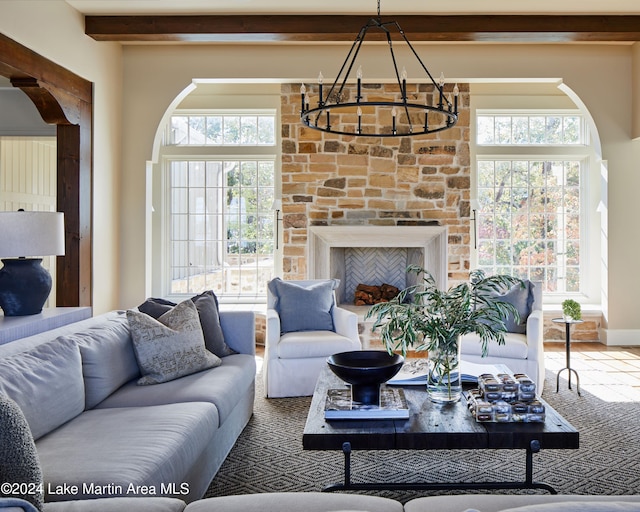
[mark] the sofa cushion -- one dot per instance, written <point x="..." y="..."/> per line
<point x="304" y="308"/>
<point x="580" y="506"/>
<point x="171" y="346"/>
<point x="515" y="346"/>
<point x="304" y="344"/>
<point x="207" y="306"/>
<point x="223" y="386"/>
<point x="47" y="384"/>
<point x="296" y="502"/>
<point x="108" y="360"/>
<point x="154" y="446"/>
<point x="19" y="464"/>
<point x="502" y="502"/>
<point x="118" y="505"/>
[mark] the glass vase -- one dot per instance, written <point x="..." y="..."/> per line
<point x="444" y="383"/>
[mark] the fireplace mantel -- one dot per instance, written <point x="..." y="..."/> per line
<point x="325" y="242"/>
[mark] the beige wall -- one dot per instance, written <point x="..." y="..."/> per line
<point x="150" y="88"/>
<point x="154" y="76"/>
<point x="64" y="42"/>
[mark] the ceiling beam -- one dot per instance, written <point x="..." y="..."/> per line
<point x="325" y="28"/>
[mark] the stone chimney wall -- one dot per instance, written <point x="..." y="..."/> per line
<point x="332" y="179"/>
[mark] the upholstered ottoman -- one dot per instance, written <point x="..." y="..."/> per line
<point x="295" y="502"/>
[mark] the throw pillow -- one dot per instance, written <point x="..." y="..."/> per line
<point x="303" y="308"/>
<point x="171" y="346"/>
<point x="207" y="305"/>
<point x="19" y="463"/>
<point x="522" y="300"/>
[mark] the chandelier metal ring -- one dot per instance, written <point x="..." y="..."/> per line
<point x="319" y="118"/>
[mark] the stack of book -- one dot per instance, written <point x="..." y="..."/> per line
<point x="340" y="406"/>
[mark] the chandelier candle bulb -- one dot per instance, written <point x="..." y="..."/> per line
<point x="320" y="79"/>
<point x="456" y="92"/>
<point x="303" y="92"/>
<point x="359" y="77"/>
<point x="393" y="120"/>
<point x="359" y="120"/>
<point x="404" y="84"/>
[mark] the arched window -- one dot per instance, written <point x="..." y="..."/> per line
<point x="219" y="175"/>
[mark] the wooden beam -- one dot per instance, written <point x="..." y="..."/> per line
<point x="64" y="99"/>
<point x="17" y="61"/>
<point x="324" y="28"/>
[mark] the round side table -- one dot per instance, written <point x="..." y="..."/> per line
<point x="568" y="324"/>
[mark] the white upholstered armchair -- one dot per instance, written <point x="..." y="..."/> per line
<point x="523" y="352"/>
<point x="304" y="327"/>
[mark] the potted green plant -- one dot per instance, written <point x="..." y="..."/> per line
<point x="571" y="310"/>
<point x="426" y="318"/>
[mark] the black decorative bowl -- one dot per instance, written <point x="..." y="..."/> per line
<point x="365" y="370"/>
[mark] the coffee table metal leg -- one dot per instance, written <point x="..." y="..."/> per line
<point x="534" y="447"/>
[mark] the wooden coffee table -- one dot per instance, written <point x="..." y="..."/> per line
<point x="431" y="427"/>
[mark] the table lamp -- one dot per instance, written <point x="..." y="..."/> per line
<point x="24" y="283"/>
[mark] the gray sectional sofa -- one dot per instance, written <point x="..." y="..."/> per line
<point x="98" y="433"/>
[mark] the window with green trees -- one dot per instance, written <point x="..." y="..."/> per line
<point x="529" y="208"/>
<point x="220" y="208"/>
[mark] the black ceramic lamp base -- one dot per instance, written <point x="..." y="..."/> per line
<point x="24" y="286"/>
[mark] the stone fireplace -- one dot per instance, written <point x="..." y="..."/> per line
<point x="396" y="185"/>
<point x="375" y="255"/>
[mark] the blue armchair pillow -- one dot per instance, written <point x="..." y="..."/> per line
<point x="304" y="308"/>
<point x="522" y="300"/>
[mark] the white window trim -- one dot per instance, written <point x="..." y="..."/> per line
<point x="162" y="271"/>
<point x="590" y="293"/>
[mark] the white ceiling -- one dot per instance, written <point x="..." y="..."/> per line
<point x="365" y="7"/>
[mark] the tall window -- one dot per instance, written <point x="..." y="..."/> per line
<point x="529" y="216"/>
<point x="220" y="220"/>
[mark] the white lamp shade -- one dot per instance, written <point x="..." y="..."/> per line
<point x="31" y="234"/>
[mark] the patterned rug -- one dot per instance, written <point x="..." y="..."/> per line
<point x="268" y="456"/>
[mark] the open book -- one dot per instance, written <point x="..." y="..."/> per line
<point x="414" y="372"/>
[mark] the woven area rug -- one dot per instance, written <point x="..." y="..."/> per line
<point x="268" y="456"/>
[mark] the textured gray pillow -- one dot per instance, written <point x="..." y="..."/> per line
<point x="207" y="305"/>
<point x="171" y="346"/>
<point x="303" y="308"/>
<point x="19" y="463"/>
<point x="46" y="382"/>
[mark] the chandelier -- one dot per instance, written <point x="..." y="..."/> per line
<point x="407" y="117"/>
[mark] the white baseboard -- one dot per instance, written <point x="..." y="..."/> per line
<point x="620" y="337"/>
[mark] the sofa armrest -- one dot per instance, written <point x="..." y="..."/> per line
<point x="345" y="323"/>
<point x="535" y="327"/>
<point x="239" y="328"/>
<point x="272" y="328"/>
<point x="16" y="505"/>
<point x="535" y="342"/>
